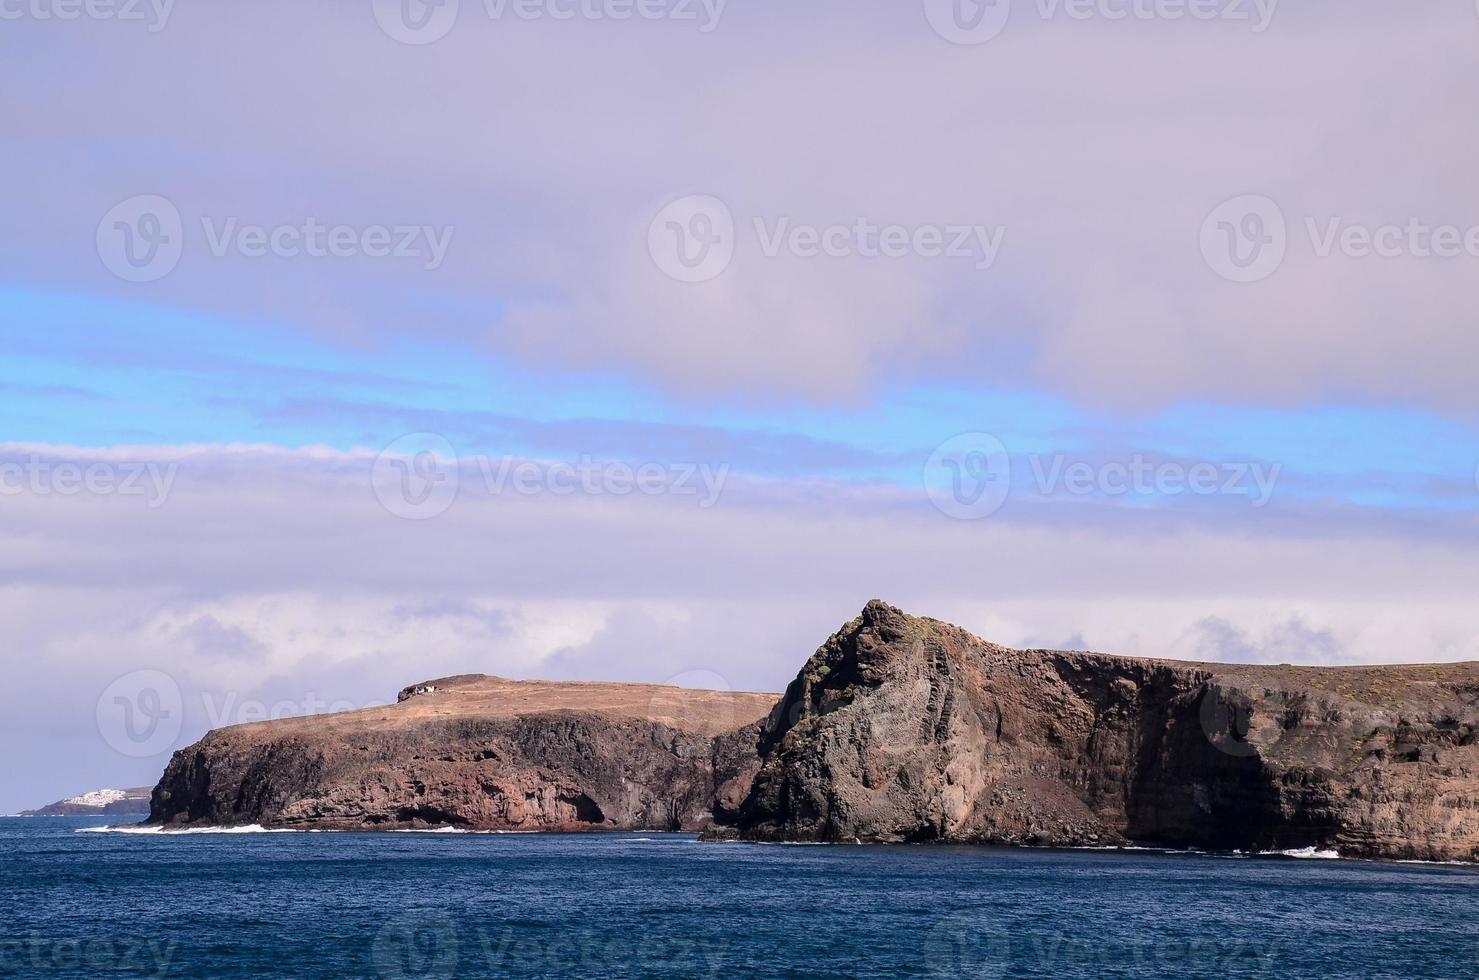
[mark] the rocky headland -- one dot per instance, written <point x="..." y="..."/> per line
<point x="898" y="729"/>
<point x="480" y="753"/>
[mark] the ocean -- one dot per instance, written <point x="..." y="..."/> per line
<point x="75" y="902"/>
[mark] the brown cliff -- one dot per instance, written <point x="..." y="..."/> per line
<point x="480" y="753"/>
<point x="897" y="729"/>
<point x="908" y="729"/>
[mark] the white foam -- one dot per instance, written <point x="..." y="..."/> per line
<point x="1308" y="853"/>
<point x="431" y="830"/>
<point x="152" y="829"/>
<point x="1459" y="864"/>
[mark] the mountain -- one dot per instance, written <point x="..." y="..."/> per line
<point x="908" y="729"/>
<point x="899" y="728"/>
<point x="105" y="802"/>
<point x="483" y="753"/>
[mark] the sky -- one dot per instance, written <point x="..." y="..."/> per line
<point x="349" y="345"/>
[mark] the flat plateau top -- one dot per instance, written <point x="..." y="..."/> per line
<point x="479" y="696"/>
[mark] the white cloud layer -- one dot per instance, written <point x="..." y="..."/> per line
<point x="548" y="146"/>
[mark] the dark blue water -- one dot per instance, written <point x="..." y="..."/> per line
<point x="640" y="905"/>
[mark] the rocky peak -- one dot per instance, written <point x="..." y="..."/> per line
<point x="905" y="728"/>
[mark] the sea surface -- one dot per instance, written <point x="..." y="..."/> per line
<point x="76" y="902"/>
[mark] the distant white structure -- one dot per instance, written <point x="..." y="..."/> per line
<point x="98" y="798"/>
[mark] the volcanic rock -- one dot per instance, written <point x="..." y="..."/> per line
<point x="908" y="729"/>
<point x="898" y="728"/>
<point x="480" y="753"/>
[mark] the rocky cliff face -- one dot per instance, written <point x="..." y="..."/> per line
<point x="897" y="729"/>
<point x="908" y="729"/>
<point x="480" y="753"/>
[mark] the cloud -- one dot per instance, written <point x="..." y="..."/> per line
<point x="1097" y="144"/>
<point x="1291" y="641"/>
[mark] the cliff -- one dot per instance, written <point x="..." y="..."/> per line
<point x="897" y="729"/>
<point x="480" y="753"/>
<point x="908" y="729"/>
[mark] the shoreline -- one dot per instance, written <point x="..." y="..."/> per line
<point x="1292" y="854"/>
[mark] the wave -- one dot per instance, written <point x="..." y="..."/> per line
<point x="1299" y="853"/>
<point x="434" y="830"/>
<point x="154" y="829"/>
<point x="1450" y="864"/>
<point x="1306" y="853"/>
